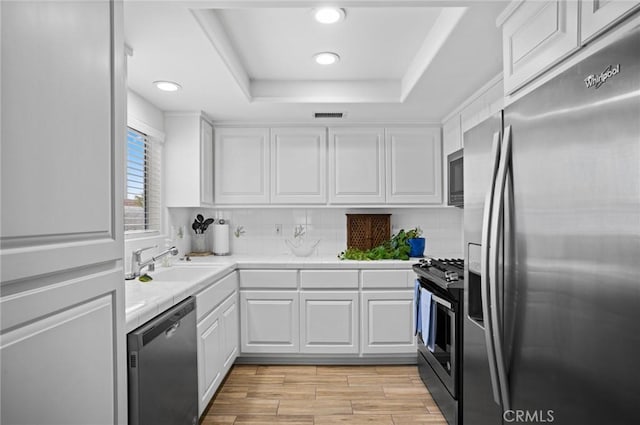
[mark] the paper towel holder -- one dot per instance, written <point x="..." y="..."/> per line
<point x="221" y="238"/>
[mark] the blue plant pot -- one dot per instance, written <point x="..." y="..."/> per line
<point x="417" y="247"/>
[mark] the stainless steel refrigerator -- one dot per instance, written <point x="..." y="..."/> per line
<point x="552" y="250"/>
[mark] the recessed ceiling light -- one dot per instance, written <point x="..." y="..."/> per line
<point x="167" y="85"/>
<point x="326" y="58"/>
<point x="328" y="15"/>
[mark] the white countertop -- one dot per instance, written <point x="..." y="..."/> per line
<point x="293" y="262"/>
<point x="143" y="301"/>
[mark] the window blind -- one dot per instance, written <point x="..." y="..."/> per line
<point x="142" y="203"/>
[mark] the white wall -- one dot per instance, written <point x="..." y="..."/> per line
<point x="144" y="116"/>
<point x="442" y="228"/>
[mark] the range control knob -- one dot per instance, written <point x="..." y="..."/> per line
<point x="450" y="276"/>
<point x="426" y="262"/>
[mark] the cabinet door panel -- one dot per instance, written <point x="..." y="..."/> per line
<point x="598" y="15"/>
<point x="414" y="165"/>
<point x="231" y="321"/>
<point x="387" y="322"/>
<point x="55" y="362"/>
<point x="329" y="322"/>
<point x="536" y="36"/>
<point x="209" y="357"/>
<point x="269" y="321"/>
<point x="356" y="160"/>
<point x="298" y="165"/>
<point x="242" y="165"/>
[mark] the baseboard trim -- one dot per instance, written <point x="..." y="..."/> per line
<point x="279" y="359"/>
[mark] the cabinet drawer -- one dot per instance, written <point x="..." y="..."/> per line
<point x="269" y="279"/>
<point x="210" y="297"/>
<point x="335" y="279"/>
<point x="385" y="279"/>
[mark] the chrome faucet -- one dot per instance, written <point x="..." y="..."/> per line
<point x="137" y="264"/>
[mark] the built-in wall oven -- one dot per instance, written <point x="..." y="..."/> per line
<point x="440" y="366"/>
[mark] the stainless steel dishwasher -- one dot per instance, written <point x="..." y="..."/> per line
<point x="163" y="375"/>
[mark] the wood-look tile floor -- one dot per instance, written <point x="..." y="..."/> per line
<point x="323" y="395"/>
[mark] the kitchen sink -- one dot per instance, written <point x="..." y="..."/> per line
<point x="182" y="274"/>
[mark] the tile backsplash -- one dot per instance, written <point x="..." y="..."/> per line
<point x="266" y="229"/>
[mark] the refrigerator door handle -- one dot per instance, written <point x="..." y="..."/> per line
<point x="485" y="280"/>
<point x="494" y="243"/>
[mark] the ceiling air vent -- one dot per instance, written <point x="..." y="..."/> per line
<point x="328" y="114"/>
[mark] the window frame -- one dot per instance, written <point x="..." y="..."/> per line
<point x="151" y="230"/>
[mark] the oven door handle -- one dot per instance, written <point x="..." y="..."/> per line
<point x="441" y="301"/>
<point x="485" y="281"/>
<point x="494" y="265"/>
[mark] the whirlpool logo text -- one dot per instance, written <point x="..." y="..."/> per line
<point x="596" y="80"/>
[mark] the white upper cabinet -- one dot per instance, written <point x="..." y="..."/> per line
<point x="535" y="36"/>
<point x="597" y="15"/>
<point x="299" y="165"/>
<point x="242" y="166"/>
<point x="189" y="160"/>
<point x="413" y="165"/>
<point x="451" y="135"/>
<point x="356" y="166"/>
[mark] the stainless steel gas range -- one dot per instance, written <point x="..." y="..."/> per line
<point x="440" y="346"/>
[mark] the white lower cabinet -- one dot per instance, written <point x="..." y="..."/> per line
<point x="217" y="330"/>
<point x="387" y="322"/>
<point x="209" y="357"/>
<point x="329" y="322"/>
<point x="340" y="312"/>
<point x="269" y="321"/>
<point x="230" y="331"/>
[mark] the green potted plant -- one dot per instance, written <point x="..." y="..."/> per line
<point x="416" y="242"/>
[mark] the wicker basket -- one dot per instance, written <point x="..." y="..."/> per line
<point x="365" y="231"/>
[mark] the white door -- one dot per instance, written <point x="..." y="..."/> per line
<point x="356" y="166"/>
<point x="387" y="322"/>
<point x="62" y="338"/>
<point x="329" y="322"/>
<point x="242" y="165"/>
<point x="414" y="165"/>
<point x="299" y="165"/>
<point x="269" y="321"/>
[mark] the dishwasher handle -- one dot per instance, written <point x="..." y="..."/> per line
<point x="166" y="322"/>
